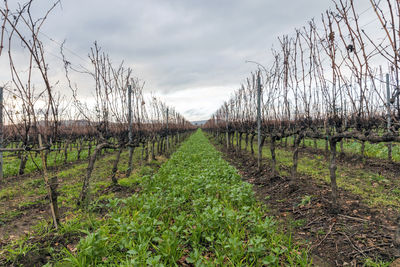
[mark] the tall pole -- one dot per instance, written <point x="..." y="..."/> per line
<point x="259" y="120"/>
<point x="389" y="122"/>
<point x="130" y="134"/>
<point x="388" y="102"/>
<point x="216" y="124"/>
<point x="227" y="129"/>
<point x="1" y="133"/>
<point x="167" y="131"/>
<point x="50" y="187"/>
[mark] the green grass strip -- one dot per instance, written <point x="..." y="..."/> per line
<point x="197" y="210"/>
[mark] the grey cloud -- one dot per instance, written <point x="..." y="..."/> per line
<point x="193" y="112"/>
<point x="176" y="45"/>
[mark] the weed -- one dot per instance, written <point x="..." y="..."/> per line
<point x="7" y="193"/>
<point x="305" y="201"/>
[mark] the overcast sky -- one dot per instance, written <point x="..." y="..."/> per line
<point x="192" y="53"/>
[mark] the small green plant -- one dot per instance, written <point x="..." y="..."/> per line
<point x="379" y="178"/>
<point x="305" y="201"/>
<point x="19" y="250"/>
<point x="396" y="191"/>
<point x="372" y="263"/>
<point x="7" y="193"/>
<point x="321" y="232"/>
<point x="34" y="183"/>
<point x="298" y="223"/>
<point x="27" y="204"/>
<point x="129" y="181"/>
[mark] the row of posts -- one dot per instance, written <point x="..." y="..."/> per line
<point x="259" y="88"/>
<point x="130" y="133"/>
<point x="130" y="130"/>
<point x="258" y="122"/>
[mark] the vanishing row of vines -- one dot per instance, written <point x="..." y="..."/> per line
<point x="39" y="120"/>
<point x="335" y="79"/>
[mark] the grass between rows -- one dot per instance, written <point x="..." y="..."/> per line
<point x="371" y="150"/>
<point x="195" y="210"/>
<point x="34" y="162"/>
<point x="376" y="189"/>
<point x="17" y="195"/>
<point x="21" y="194"/>
<point x="38" y="239"/>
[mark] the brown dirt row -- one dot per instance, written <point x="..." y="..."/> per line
<point x="358" y="232"/>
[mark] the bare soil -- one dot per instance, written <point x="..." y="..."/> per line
<point x="358" y="232"/>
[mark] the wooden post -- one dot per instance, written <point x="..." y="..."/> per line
<point x="259" y="120"/>
<point x="332" y="174"/>
<point x="273" y="155"/>
<point x="345" y="126"/>
<point x="388" y="115"/>
<point x="167" y="132"/>
<point x="130" y="134"/>
<point x="49" y="187"/>
<point x="1" y="133"/>
<point x="227" y="129"/>
<point x="83" y="199"/>
<point x="216" y="126"/>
